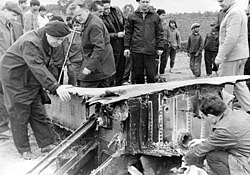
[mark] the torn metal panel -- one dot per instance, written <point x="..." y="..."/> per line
<point x="126" y="92"/>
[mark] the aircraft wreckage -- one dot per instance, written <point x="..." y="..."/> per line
<point x="119" y="128"/>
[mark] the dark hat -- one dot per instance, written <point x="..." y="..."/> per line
<point x="34" y="2"/>
<point x="160" y="12"/>
<point x="42" y="8"/>
<point x="57" y="18"/>
<point x="194" y="25"/>
<point x="22" y="1"/>
<point x="105" y="1"/>
<point x="57" y="29"/>
<point x="11" y="6"/>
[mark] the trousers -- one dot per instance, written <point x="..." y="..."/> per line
<point x="240" y="89"/>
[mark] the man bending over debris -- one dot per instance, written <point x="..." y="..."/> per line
<point x="24" y="73"/>
<point x="227" y="149"/>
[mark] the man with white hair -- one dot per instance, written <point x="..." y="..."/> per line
<point x="98" y="66"/>
<point x="233" y="49"/>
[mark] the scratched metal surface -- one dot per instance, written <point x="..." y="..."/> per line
<point x="126" y="92"/>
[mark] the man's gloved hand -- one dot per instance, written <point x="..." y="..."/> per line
<point x="63" y="92"/>
<point x="126" y="52"/>
<point x="195" y="142"/>
<point x="218" y="60"/>
<point x="159" y="52"/>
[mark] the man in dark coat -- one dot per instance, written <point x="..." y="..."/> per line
<point x="24" y="73"/>
<point x="98" y="65"/>
<point x="143" y="39"/>
<point x="114" y="22"/>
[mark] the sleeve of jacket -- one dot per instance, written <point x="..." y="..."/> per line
<point x="205" y="42"/>
<point x="188" y="45"/>
<point x="28" y="22"/>
<point x="35" y="61"/>
<point x="128" y="32"/>
<point x="98" y="42"/>
<point x="232" y="33"/>
<point x="220" y="139"/>
<point x="201" y="44"/>
<point x="159" y="34"/>
<point x="178" y="38"/>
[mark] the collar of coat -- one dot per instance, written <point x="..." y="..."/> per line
<point x="42" y="34"/>
<point x="150" y="10"/>
<point x="3" y="19"/>
<point x="90" y="16"/>
<point x="230" y="7"/>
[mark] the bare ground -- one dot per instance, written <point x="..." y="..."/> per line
<point x="11" y="162"/>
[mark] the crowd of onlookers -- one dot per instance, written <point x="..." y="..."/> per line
<point x="101" y="48"/>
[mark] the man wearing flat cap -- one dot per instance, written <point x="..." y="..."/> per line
<point x="24" y="74"/>
<point x="10" y="31"/>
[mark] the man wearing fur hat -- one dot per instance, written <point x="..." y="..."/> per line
<point x="24" y="73"/>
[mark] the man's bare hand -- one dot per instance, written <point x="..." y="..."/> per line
<point x="121" y="34"/>
<point x="195" y="142"/>
<point x="63" y="92"/>
<point x="126" y="52"/>
<point x="86" y="71"/>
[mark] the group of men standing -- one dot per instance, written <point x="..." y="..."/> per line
<point x="25" y="60"/>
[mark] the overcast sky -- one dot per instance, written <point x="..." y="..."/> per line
<point x="171" y="6"/>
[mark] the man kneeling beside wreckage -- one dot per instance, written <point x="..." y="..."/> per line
<point x="227" y="149"/>
<point x="24" y="74"/>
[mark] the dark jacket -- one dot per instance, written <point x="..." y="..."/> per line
<point x="114" y="23"/>
<point x="97" y="52"/>
<point x="212" y="42"/>
<point x="144" y="35"/>
<point x="195" y="43"/>
<point x="24" y="68"/>
<point x="230" y="134"/>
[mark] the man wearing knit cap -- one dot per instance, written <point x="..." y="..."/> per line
<point x="10" y="31"/>
<point x="24" y="74"/>
<point x="31" y="16"/>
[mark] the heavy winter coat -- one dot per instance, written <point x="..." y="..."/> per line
<point x="97" y="52"/>
<point x="24" y="68"/>
<point x="144" y="34"/>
